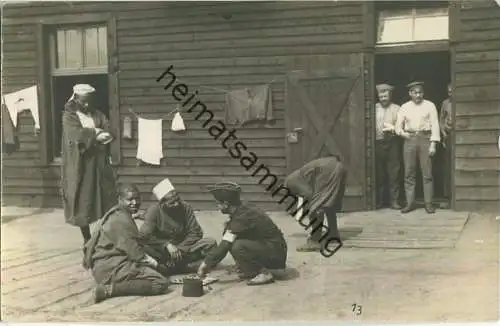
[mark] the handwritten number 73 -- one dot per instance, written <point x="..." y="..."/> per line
<point x="357" y="309"/>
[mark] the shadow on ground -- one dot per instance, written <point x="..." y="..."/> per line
<point x="345" y="233"/>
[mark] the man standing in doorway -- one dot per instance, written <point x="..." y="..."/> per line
<point x="446" y="124"/>
<point x="418" y="124"/>
<point x="387" y="148"/>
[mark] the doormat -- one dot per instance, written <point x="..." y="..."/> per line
<point x="390" y="229"/>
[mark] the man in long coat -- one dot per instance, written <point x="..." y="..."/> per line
<point x="119" y="264"/>
<point x="321" y="183"/>
<point x="170" y="232"/>
<point x="253" y="239"/>
<point x="87" y="184"/>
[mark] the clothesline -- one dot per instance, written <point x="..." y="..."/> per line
<point x="226" y="91"/>
<point x="168" y="114"/>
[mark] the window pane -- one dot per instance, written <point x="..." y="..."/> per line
<point x="91" y="48"/>
<point x="61" y="49"/>
<point x="431" y="28"/>
<point x="103" y="46"/>
<point x="395" y="30"/>
<point x="74" y="48"/>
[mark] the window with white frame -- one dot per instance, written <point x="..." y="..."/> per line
<point x="407" y="25"/>
<point x="78" y="55"/>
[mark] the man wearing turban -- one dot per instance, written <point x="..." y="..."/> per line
<point x="170" y="232"/>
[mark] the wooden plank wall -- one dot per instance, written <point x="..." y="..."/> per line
<point x="222" y="46"/>
<point x="477" y="78"/>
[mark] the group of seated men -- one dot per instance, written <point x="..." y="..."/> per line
<point x="129" y="260"/>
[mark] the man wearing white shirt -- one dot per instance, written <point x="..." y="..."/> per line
<point x="387" y="148"/>
<point x="418" y="124"/>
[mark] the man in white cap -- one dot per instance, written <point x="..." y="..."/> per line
<point x="418" y="124"/>
<point x="88" y="184"/>
<point x="170" y="232"/>
<point x="387" y="148"/>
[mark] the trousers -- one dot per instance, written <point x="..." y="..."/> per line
<point x="388" y="169"/>
<point x="196" y="252"/>
<point x="317" y="224"/>
<point x="416" y="151"/>
<point x="253" y="256"/>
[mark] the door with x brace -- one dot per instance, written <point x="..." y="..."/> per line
<point x="325" y="116"/>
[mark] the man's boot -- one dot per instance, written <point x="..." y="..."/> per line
<point x="408" y="208"/>
<point x="311" y="245"/>
<point x="129" y="288"/>
<point x="429" y="208"/>
<point x="264" y="277"/>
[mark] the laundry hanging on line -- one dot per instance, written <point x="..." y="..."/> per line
<point x="249" y="105"/>
<point x="150" y="141"/>
<point x="10" y="141"/>
<point x="24" y="99"/>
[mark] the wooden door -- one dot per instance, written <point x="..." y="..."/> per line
<point x="325" y="116"/>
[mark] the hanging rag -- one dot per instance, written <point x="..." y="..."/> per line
<point x="249" y="105"/>
<point x="149" y="147"/>
<point x="25" y="99"/>
<point x="178" y="123"/>
<point x="10" y="142"/>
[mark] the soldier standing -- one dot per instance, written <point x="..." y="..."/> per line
<point x="387" y="148"/>
<point x="418" y="124"/>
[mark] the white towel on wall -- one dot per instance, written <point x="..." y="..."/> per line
<point x="25" y="99"/>
<point x="149" y="147"/>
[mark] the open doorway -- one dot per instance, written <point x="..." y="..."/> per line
<point x="434" y="69"/>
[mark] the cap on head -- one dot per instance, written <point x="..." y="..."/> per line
<point x="224" y="190"/>
<point x="163" y="188"/>
<point x="83" y="89"/>
<point x="382" y="88"/>
<point x="415" y="84"/>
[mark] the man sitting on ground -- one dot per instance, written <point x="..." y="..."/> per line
<point x="119" y="265"/>
<point x="255" y="242"/>
<point x="170" y="232"/>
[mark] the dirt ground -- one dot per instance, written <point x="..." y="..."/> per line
<point x="42" y="280"/>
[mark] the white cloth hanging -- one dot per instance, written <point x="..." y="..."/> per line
<point x="178" y="123"/>
<point x="149" y="147"/>
<point x="25" y="99"/>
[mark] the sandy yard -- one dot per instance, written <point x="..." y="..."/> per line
<point x="42" y="280"/>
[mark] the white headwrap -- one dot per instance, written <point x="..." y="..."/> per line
<point x="163" y="188"/>
<point x="81" y="89"/>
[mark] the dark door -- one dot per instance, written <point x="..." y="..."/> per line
<point x="325" y="116"/>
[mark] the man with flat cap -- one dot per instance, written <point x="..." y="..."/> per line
<point x="87" y="179"/>
<point x="387" y="148"/>
<point x="171" y="233"/>
<point x="253" y="239"/>
<point x="418" y="124"/>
